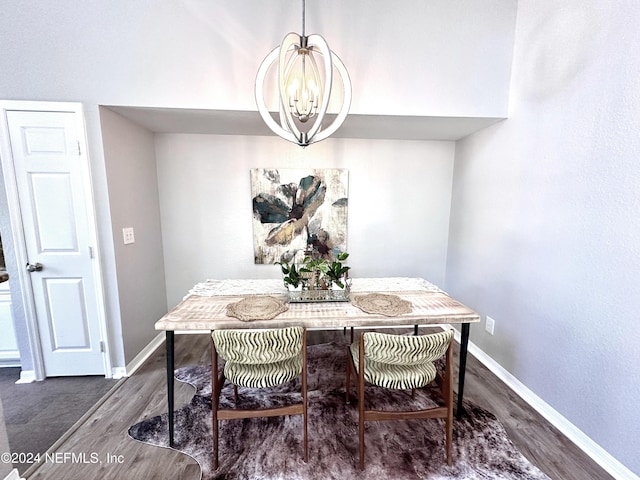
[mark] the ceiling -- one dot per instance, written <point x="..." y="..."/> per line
<point x="233" y="122"/>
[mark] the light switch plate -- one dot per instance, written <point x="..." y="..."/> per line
<point x="490" y="325"/>
<point x="128" y="236"/>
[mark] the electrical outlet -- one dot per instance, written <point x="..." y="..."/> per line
<point x="490" y="325"/>
<point x="127" y="235"/>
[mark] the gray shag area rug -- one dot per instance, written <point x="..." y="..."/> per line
<point x="271" y="448"/>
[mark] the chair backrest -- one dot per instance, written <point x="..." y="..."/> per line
<point x="255" y="347"/>
<point x="404" y="349"/>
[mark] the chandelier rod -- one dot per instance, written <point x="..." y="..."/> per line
<point x="303" y="15"/>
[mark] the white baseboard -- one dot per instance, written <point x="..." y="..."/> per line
<point x="118" y="372"/>
<point x="13" y="475"/>
<point x="599" y="455"/>
<point x="136" y="363"/>
<point x="9" y="363"/>
<point x="10" y="358"/>
<point x="27" y="376"/>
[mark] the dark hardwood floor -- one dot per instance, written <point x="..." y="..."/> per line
<point x="103" y="432"/>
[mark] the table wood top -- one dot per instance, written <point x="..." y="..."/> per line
<point x="208" y="312"/>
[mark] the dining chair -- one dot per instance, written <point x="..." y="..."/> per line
<point x="258" y="359"/>
<point x="404" y="363"/>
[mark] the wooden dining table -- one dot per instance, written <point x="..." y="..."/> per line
<point x="204" y="309"/>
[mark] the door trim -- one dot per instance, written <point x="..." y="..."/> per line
<point x="17" y="230"/>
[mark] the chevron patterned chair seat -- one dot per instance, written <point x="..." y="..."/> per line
<point x="263" y="376"/>
<point x="404" y="363"/>
<point x="258" y="359"/>
<point x="395" y="376"/>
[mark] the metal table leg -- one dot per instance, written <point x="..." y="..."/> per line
<point x="464" y="342"/>
<point x="170" y="374"/>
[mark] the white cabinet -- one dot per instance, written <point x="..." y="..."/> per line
<point x="9" y="354"/>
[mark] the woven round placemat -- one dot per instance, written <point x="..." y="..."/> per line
<point x="257" y="307"/>
<point x="382" y="303"/>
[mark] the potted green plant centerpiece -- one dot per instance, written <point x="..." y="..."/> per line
<point x="317" y="279"/>
<point x="337" y="272"/>
<point x="292" y="279"/>
<point x="315" y="270"/>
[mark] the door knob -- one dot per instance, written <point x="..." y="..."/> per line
<point x="34" y="268"/>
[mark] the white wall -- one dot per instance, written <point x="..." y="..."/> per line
<point x="438" y="58"/>
<point x="415" y="58"/>
<point x="399" y="197"/>
<point x="545" y="231"/>
<point x="133" y="197"/>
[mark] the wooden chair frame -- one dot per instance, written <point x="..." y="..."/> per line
<point x="445" y="382"/>
<point x="232" y="414"/>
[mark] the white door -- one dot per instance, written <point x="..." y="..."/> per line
<point x="51" y="173"/>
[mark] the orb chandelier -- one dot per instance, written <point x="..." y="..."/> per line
<point x="305" y="84"/>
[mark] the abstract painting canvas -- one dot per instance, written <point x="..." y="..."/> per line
<point x="296" y="209"/>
